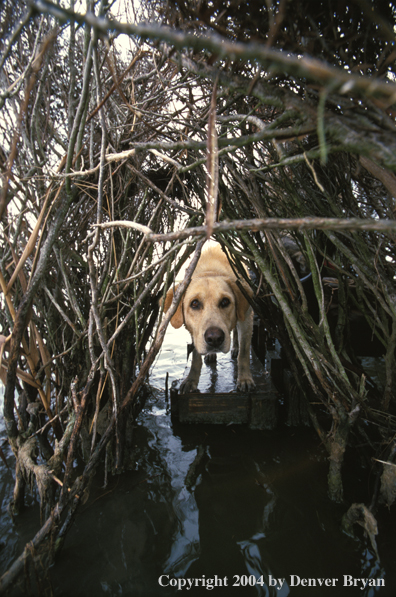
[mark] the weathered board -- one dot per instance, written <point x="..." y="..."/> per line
<point x="218" y="402"/>
<point x="258" y="410"/>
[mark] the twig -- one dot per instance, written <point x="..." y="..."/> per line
<point x="282" y="224"/>
<point x="124" y="224"/>
<point x="384" y="462"/>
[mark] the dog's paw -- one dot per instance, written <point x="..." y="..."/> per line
<point x="188" y="385"/>
<point x="210" y="358"/>
<point x="245" y="384"/>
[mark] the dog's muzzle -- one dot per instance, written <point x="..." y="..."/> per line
<point x="214" y="338"/>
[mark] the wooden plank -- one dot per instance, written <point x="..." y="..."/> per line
<point x="258" y="409"/>
<point x="218" y="409"/>
<point x="218" y="402"/>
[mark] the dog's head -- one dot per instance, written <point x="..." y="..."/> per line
<point x="210" y="309"/>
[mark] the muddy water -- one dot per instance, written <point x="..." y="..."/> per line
<point x="257" y="520"/>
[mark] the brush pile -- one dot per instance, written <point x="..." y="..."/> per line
<point x="267" y="128"/>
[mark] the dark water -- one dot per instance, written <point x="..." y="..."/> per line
<point x="256" y="522"/>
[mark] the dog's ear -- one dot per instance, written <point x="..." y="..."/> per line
<point x="242" y="304"/>
<point x="177" y="319"/>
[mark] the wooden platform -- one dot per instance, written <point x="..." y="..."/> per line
<point x="218" y="402"/>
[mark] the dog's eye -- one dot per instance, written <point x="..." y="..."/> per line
<point x="224" y="303"/>
<point x="195" y="304"/>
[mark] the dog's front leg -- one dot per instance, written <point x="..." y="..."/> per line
<point x="235" y="344"/>
<point x="245" y="329"/>
<point x="190" y="384"/>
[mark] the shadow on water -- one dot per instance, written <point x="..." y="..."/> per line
<point x="256" y="520"/>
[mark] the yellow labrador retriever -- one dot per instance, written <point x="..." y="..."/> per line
<point x="211" y="308"/>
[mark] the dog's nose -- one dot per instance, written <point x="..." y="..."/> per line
<point x="214" y="337"/>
